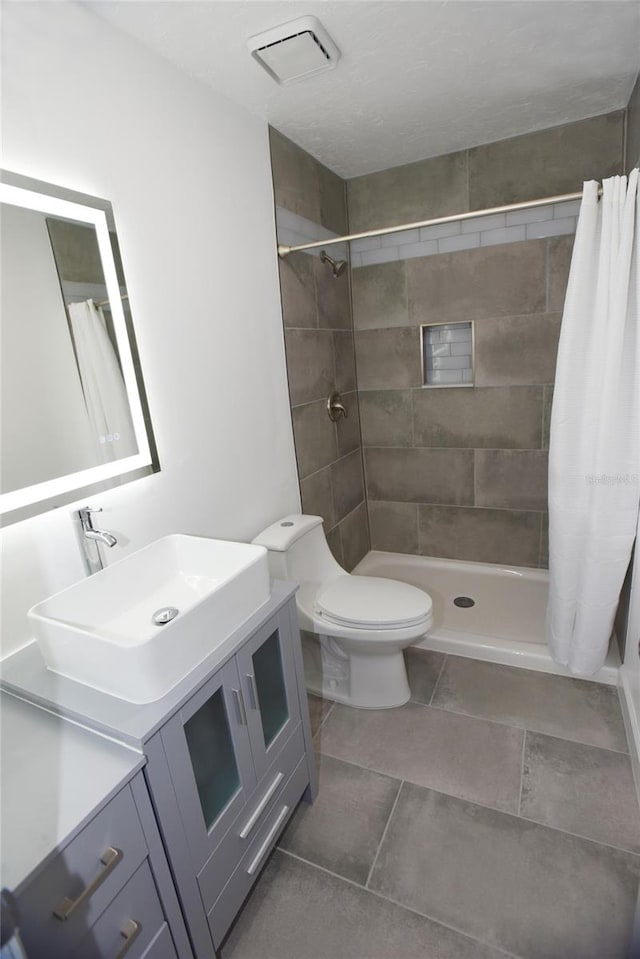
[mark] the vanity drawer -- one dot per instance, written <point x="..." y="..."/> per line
<point x="76" y="868"/>
<point x="129" y="924"/>
<point x="219" y="866"/>
<point x="232" y="896"/>
<point x="162" y="946"/>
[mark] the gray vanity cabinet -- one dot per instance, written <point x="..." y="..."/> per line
<point x="226" y="772"/>
<point x="108" y="893"/>
<point x="268" y="680"/>
<point x="229" y="754"/>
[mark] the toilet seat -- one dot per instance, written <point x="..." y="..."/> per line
<point x="368" y="602"/>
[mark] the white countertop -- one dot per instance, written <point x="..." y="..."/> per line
<point x="55" y="776"/>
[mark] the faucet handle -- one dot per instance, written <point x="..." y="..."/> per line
<point x="335" y="407"/>
<point x="90" y="509"/>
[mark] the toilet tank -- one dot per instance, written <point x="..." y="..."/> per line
<point x="298" y="550"/>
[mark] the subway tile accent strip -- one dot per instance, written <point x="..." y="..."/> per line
<point x="557" y="219"/>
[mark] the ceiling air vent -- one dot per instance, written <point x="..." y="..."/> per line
<point x="294" y="50"/>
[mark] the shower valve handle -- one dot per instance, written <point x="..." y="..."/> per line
<point x="335" y="407"/>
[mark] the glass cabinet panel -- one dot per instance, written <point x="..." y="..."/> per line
<point x="212" y="756"/>
<point x="270" y="685"/>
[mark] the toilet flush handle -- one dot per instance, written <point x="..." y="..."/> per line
<point x="335" y="407"/>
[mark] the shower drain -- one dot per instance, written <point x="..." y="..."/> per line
<point x="464" y="601"/>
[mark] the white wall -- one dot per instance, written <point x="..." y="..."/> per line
<point x="188" y="175"/>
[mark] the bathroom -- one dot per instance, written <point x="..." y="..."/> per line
<point x="89" y="104"/>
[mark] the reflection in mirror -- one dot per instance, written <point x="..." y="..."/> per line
<point x="72" y="404"/>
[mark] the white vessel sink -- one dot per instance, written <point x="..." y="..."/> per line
<point x="101" y="632"/>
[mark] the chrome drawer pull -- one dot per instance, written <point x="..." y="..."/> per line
<point x="240" y="713"/>
<point x="253" y="690"/>
<point x="109" y="860"/>
<point x="130" y="933"/>
<point x="257" y="812"/>
<point x="264" y="848"/>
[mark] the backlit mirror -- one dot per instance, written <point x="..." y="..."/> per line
<point x="73" y="412"/>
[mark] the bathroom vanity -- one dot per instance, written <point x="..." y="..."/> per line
<point x="217" y="767"/>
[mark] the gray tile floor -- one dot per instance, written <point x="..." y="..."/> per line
<point x="493" y="815"/>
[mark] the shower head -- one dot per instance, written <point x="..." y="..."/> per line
<point x="338" y="266"/>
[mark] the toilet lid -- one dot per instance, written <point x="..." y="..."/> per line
<point x="371" y="602"/>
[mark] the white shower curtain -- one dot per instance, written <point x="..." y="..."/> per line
<point x="594" y="457"/>
<point x="102" y="384"/>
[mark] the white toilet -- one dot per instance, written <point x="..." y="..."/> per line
<point x="362" y="623"/>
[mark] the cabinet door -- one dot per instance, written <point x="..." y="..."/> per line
<point x="209" y="757"/>
<point x="267" y="673"/>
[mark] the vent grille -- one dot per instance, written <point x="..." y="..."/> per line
<point x="295" y="50"/>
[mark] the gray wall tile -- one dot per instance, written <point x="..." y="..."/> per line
<point x="559" y="252"/>
<point x="546" y="163"/>
<point x="394" y="526"/>
<point x="507" y="881"/>
<point x="295" y="177"/>
<point x="386" y="417"/>
<point x="379" y="295"/>
<point x="335" y="544"/>
<point x="333" y="200"/>
<point x="388" y="359"/>
<point x="544" y="541"/>
<point x="420" y="475"/>
<point x="632" y="158"/>
<point x="297" y="291"/>
<point x="498" y="418"/>
<point x="348" y="484"/>
<point x="316" y="309"/>
<point x="354" y="531"/>
<point x="480" y="535"/>
<point x="309" y="365"/>
<point x="514" y="350"/>
<point x="317" y="496"/>
<point x="315" y="437"/>
<point x="511" y="479"/>
<point x="333" y="300"/>
<point x="416" y="191"/>
<point x="472" y="284"/>
<point x="348" y="429"/>
<point x="345" y="361"/>
<point x="546" y="416"/>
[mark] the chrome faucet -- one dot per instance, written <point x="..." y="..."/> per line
<point x="89" y="530"/>
<point x="93" y="559"/>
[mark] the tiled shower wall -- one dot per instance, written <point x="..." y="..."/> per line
<point x="320" y="354"/>
<point x="461" y="472"/>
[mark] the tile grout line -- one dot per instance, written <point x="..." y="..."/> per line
<point x="502" y="722"/>
<point x="324" y="719"/>
<point x="384" y="833"/>
<point x="396" y="902"/>
<point x="524" y="749"/>
<point x="482" y="805"/>
<point x="444" y="663"/>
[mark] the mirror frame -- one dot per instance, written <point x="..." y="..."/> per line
<point x="21" y="503"/>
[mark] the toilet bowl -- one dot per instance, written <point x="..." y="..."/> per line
<point x="354" y="627"/>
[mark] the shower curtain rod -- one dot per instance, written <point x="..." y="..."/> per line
<point x="284" y="250"/>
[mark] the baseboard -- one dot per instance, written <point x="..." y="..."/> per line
<point x="631" y="724"/>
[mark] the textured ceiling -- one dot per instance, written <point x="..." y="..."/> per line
<point x="417" y="78"/>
